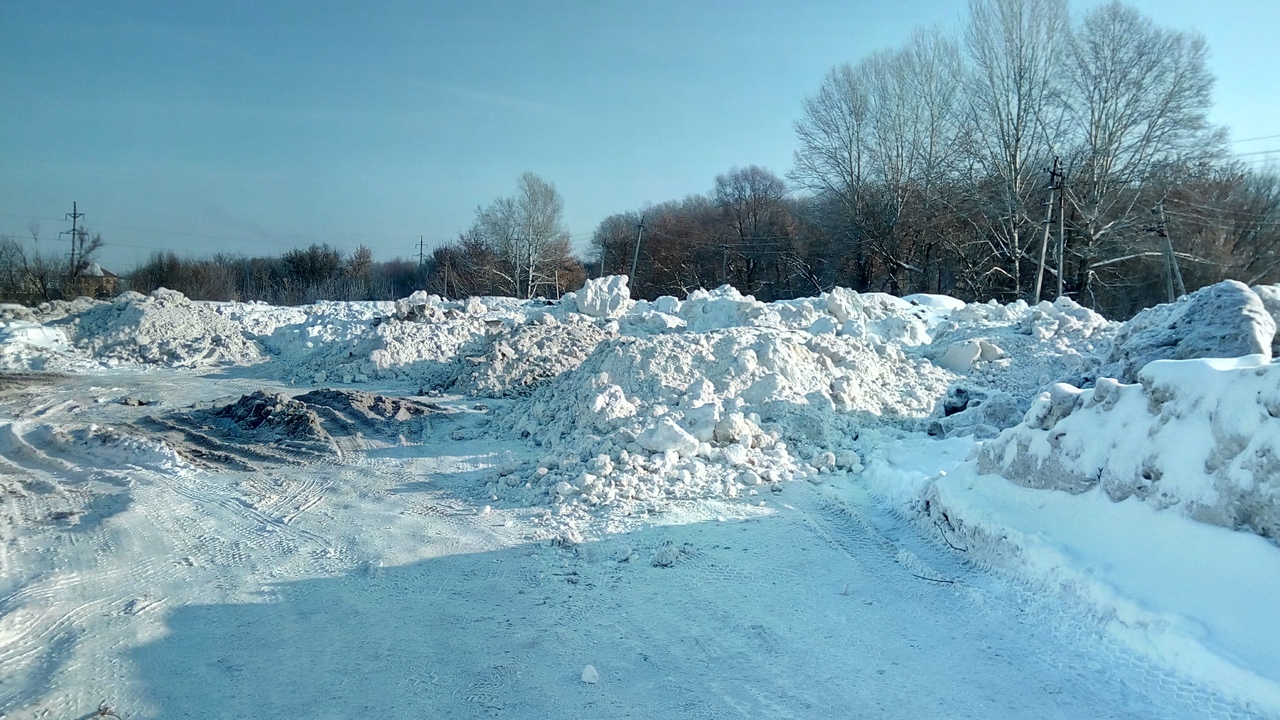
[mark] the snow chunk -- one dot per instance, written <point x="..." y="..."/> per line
<point x="604" y="297"/>
<point x="667" y="435"/>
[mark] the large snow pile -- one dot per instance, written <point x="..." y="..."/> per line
<point x="1019" y="349"/>
<point x="1270" y="297"/>
<point x="1219" y="321"/>
<point x="258" y="319"/>
<point x="1006" y="354"/>
<point x="685" y="414"/>
<point x="355" y="348"/>
<point x="523" y="356"/>
<point x="164" y="328"/>
<point x="1200" y="435"/>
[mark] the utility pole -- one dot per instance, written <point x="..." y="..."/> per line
<point x="422" y="257"/>
<point x="1172" y="273"/>
<point x="75" y="234"/>
<point x="724" y="264"/>
<point x="1062" y="221"/>
<point x="635" y="258"/>
<point x="1044" y="242"/>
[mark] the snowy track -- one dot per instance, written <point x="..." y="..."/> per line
<point x="378" y="586"/>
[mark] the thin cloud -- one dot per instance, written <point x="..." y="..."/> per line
<point x="494" y="99"/>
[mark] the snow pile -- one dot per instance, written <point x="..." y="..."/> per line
<point x="421" y="339"/>
<point x="1019" y="349"/>
<point x="1219" y="321"/>
<point x="26" y="345"/>
<point x="524" y="356"/>
<point x="1199" y="435"/>
<point x="164" y="328"/>
<point x="326" y="347"/>
<point x="272" y="417"/>
<point x="723" y="412"/>
<point x="110" y="447"/>
<point x="604" y="297"/>
<point x="877" y="316"/>
<point x="724" y="307"/>
<point x="258" y="319"/>
<point x="53" y="310"/>
<point x="1270" y="297"/>
<point x="14" y="311"/>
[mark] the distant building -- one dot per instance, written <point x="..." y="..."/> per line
<point x="99" y="283"/>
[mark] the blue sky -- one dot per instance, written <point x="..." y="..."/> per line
<point x="252" y="127"/>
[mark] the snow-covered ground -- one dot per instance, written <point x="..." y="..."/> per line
<point x="841" y="506"/>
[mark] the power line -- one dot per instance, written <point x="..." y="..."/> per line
<point x="1251" y="139"/>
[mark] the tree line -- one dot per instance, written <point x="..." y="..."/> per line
<point x="951" y="164"/>
<point x="1032" y="150"/>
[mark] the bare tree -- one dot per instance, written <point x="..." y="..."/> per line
<point x="753" y="204"/>
<point x="526" y="234"/>
<point x="1139" y="100"/>
<point x="1013" y="86"/>
<point x="834" y="160"/>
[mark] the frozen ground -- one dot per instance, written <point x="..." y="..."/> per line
<point x="727" y="509"/>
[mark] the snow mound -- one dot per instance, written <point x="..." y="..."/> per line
<point x="257" y="319"/>
<point x="604" y="297"/>
<point x="326" y="347"/>
<point x="1270" y="297"/>
<point x="26" y="345"/>
<point x="272" y="427"/>
<point x="53" y="310"/>
<point x="725" y="412"/>
<point x="1017" y="349"/>
<point x="14" y="311"/>
<point x="1226" y="320"/>
<point x="524" y="356"/>
<point x="272" y="417"/>
<point x="724" y="307"/>
<point x="1198" y="435"/>
<point x="164" y="328"/>
<point x="877" y="316"/>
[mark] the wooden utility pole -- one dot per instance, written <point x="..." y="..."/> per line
<point x="635" y="258"/>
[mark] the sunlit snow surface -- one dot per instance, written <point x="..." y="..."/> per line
<point x="726" y="508"/>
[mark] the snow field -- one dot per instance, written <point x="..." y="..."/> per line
<point x="995" y="429"/>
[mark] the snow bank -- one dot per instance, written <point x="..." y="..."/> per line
<point x="1198" y="599"/>
<point x="1219" y="321"/>
<point x="1199" y="435"/>
<point x="164" y="328"/>
<point x="1270" y="297"/>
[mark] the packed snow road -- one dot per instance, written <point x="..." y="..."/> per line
<point x="383" y="580"/>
